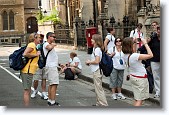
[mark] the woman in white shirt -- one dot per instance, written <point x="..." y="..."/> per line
<point x="137" y="72"/>
<point x="116" y="78"/>
<point x="75" y="63"/>
<point x="96" y="57"/>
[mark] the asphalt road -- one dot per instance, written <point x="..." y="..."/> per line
<point x="76" y="93"/>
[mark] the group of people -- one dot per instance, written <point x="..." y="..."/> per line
<point x="125" y="56"/>
<point x="31" y="71"/>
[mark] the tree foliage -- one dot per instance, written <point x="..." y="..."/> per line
<point x="52" y="17"/>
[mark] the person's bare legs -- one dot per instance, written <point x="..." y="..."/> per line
<point x="138" y="102"/>
<point x="43" y="85"/>
<point x="26" y="97"/>
<point x="35" y="84"/>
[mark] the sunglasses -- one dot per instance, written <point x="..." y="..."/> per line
<point x="53" y="36"/>
<point x="153" y="25"/>
<point x="118" y="41"/>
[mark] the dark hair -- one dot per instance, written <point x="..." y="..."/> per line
<point x="140" y="25"/>
<point x="109" y="29"/>
<point x="49" y="34"/>
<point x="116" y="40"/>
<point x="158" y="27"/>
<point x="127" y="45"/>
<point x="41" y="35"/>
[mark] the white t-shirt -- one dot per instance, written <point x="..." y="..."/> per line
<point x="76" y="59"/>
<point x="111" y="39"/>
<point x="136" y="67"/>
<point x="136" y="34"/>
<point x="96" y="52"/>
<point x="116" y="58"/>
<point x="52" y="59"/>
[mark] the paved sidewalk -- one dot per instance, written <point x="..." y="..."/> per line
<point x="86" y="75"/>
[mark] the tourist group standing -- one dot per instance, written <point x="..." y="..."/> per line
<point x="127" y="54"/>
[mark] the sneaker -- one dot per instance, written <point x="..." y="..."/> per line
<point x="114" y="96"/>
<point x="156" y="96"/>
<point x="44" y="96"/>
<point x="33" y="95"/>
<point x="56" y="103"/>
<point x="76" y="77"/>
<point x="120" y="96"/>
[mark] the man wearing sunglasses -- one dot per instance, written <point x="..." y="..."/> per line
<point x="51" y="68"/>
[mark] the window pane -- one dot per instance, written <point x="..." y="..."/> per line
<point x="11" y="20"/>
<point x="5" y="20"/>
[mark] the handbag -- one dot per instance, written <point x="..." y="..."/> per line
<point x="69" y="75"/>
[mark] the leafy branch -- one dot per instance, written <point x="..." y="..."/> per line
<point x="52" y="17"/>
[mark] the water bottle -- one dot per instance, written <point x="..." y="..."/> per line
<point x="41" y="57"/>
<point x="24" y="60"/>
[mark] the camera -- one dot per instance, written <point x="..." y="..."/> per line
<point x="128" y="77"/>
<point x="139" y="39"/>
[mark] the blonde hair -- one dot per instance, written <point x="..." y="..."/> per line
<point x="73" y="54"/>
<point x="32" y="37"/>
<point x="98" y="40"/>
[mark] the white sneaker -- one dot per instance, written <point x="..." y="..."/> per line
<point x="114" y="96"/>
<point x="33" y="95"/>
<point x="44" y="96"/>
<point x="156" y="96"/>
<point x="120" y="96"/>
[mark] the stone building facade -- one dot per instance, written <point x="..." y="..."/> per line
<point x="17" y="18"/>
<point x="135" y="10"/>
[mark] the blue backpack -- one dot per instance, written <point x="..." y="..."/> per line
<point x="106" y="64"/>
<point x="16" y="60"/>
<point x="42" y="57"/>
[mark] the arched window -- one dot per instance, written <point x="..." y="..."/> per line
<point x="11" y="20"/>
<point x="5" y="20"/>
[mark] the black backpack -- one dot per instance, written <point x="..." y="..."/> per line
<point x="42" y="57"/>
<point x="69" y="75"/>
<point x="16" y="60"/>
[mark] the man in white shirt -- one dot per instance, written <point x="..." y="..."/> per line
<point x="51" y="68"/>
<point x="137" y="34"/>
<point x="109" y="40"/>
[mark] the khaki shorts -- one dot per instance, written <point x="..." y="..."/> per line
<point x="26" y="80"/>
<point x="140" y="88"/>
<point x="77" y="70"/>
<point x="40" y="74"/>
<point x="52" y="75"/>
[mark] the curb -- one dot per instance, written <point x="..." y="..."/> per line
<point x="124" y="91"/>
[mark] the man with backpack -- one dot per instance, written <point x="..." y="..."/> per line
<point x="29" y="70"/>
<point x="51" y="69"/>
<point x="109" y="40"/>
<point x="40" y="75"/>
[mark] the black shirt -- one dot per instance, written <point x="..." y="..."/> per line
<point x="155" y="47"/>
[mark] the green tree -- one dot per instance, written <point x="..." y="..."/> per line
<point x="52" y="17"/>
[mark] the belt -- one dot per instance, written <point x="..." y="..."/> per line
<point x="145" y="76"/>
